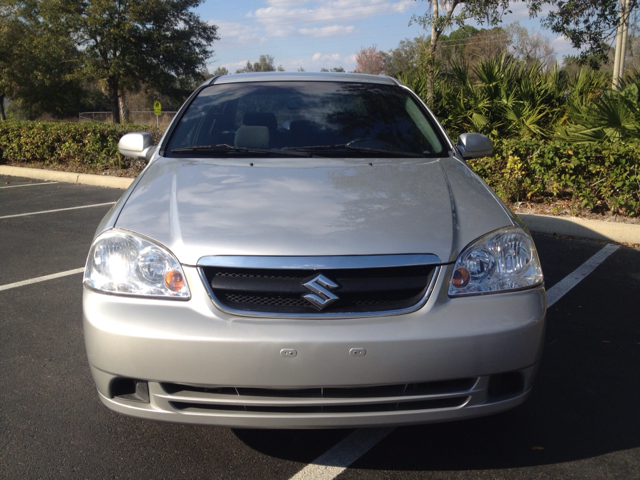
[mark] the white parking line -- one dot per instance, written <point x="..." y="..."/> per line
<point x="561" y="288"/>
<point x="57" y="210"/>
<point x="41" y="279"/>
<point x="30" y="185"/>
<point x="336" y="460"/>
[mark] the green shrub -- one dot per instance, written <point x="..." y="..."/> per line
<point x="591" y="176"/>
<point x="60" y="142"/>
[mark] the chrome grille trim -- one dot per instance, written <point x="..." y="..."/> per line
<point x="326" y="315"/>
<point x="267" y="401"/>
<point x="433" y="404"/>
<point x="316" y="263"/>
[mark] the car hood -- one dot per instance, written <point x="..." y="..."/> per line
<point x="311" y="207"/>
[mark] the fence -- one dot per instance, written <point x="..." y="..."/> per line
<point x="139" y="118"/>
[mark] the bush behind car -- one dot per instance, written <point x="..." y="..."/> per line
<point x="62" y="142"/>
<point x="592" y="176"/>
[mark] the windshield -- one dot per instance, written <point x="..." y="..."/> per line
<point x="317" y="118"/>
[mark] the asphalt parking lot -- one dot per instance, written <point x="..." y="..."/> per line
<point x="582" y="420"/>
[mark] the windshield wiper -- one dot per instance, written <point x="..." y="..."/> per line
<point x="223" y="148"/>
<point x="350" y="149"/>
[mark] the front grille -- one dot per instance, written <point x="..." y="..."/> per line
<point x="359" y="290"/>
<point x="400" y="389"/>
<point x="271" y="301"/>
<point x="383" y="398"/>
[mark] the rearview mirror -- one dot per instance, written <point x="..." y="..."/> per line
<point x="137" y="145"/>
<point x="474" y="145"/>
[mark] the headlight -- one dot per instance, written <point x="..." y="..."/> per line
<point x="126" y="264"/>
<point x="500" y="261"/>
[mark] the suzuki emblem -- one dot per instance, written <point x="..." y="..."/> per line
<point x="321" y="297"/>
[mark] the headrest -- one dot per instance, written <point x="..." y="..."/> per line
<point x="256" y="119"/>
<point x="252" y="137"/>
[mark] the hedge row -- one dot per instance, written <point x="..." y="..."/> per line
<point x="53" y="142"/>
<point x="593" y="177"/>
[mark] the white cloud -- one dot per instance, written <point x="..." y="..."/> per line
<point x="351" y="59"/>
<point x="331" y="31"/>
<point x="519" y="11"/>
<point x="308" y="26"/>
<point x="280" y="2"/>
<point x="232" y="33"/>
<point x="281" y="31"/>
<point x="331" y="10"/>
<point x="562" y="46"/>
<point x="322" y="60"/>
<point x="321" y="57"/>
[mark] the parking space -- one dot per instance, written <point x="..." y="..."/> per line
<point x="43" y="244"/>
<point x="580" y="422"/>
<point x="44" y="196"/>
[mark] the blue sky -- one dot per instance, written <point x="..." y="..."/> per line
<point x="313" y="34"/>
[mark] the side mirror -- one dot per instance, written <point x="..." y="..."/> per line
<point x="474" y="145"/>
<point x="137" y="145"/>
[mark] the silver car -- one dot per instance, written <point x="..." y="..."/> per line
<point x="310" y="250"/>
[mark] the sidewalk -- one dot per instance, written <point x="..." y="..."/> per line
<point x="570" y="226"/>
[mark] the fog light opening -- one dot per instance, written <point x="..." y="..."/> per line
<point x="130" y="389"/>
<point x="503" y="385"/>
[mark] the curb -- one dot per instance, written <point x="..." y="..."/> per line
<point x="569" y="226"/>
<point x="579" y="227"/>
<point x="67" y="177"/>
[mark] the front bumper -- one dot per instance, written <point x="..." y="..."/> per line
<point x="172" y="343"/>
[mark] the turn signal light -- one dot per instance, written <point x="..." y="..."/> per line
<point x="460" y="278"/>
<point x="174" y="280"/>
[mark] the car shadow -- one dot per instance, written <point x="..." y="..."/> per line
<point x="298" y="445"/>
<point x="571" y="415"/>
<point x="584" y="402"/>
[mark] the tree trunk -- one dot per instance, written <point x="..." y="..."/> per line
<point x="432" y="54"/>
<point x="125" y="114"/>
<point x="434" y="30"/>
<point x="3" y="116"/>
<point x="621" y="44"/>
<point x="114" y="97"/>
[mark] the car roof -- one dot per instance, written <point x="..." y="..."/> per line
<point x="303" y="77"/>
